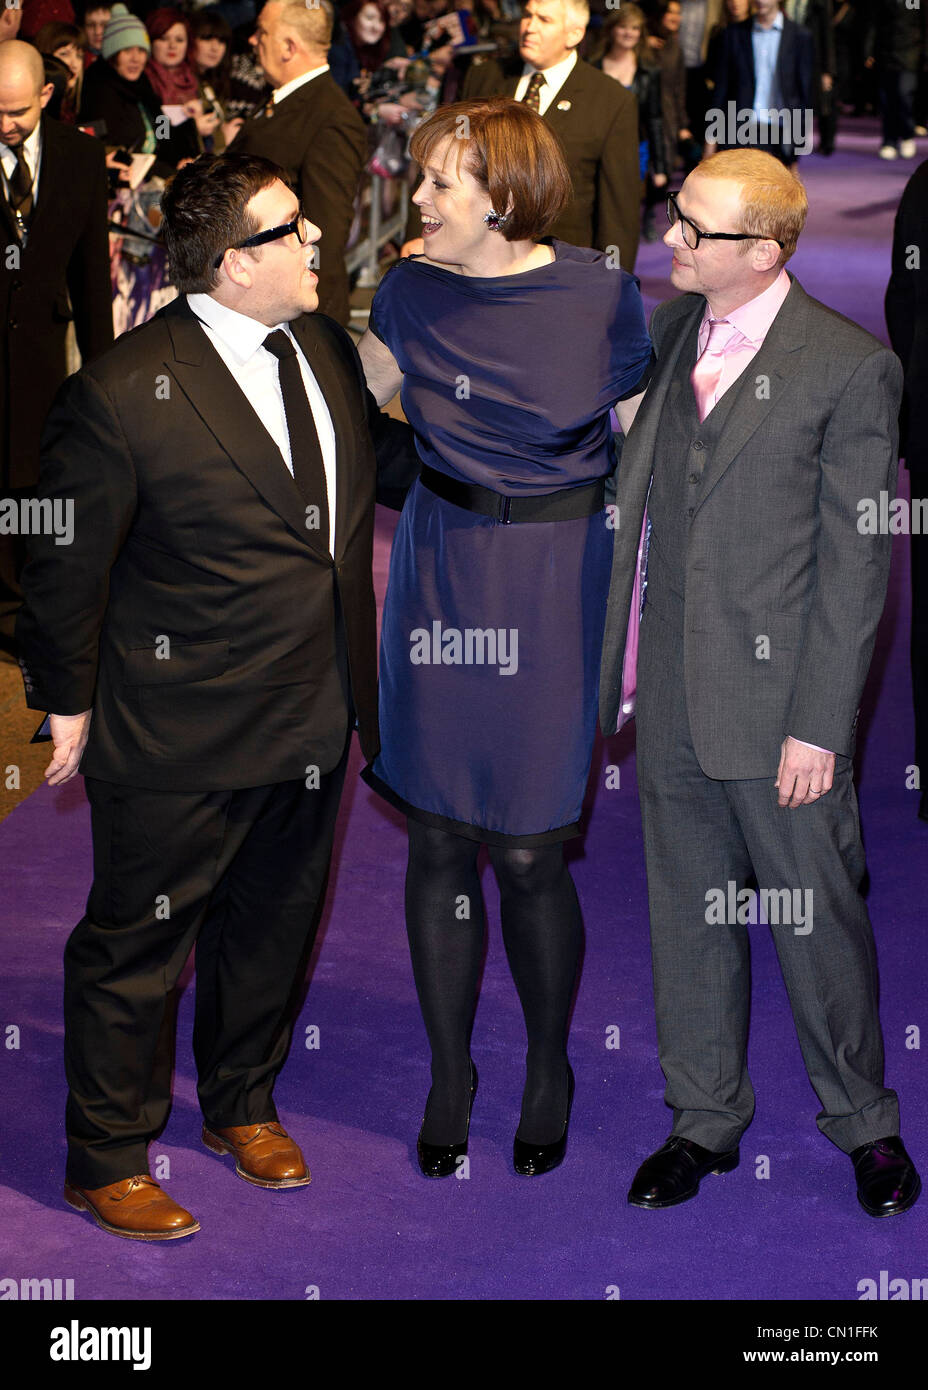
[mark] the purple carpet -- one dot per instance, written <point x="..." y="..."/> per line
<point x="786" y="1225"/>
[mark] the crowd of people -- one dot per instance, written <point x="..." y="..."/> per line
<point x="160" y="84"/>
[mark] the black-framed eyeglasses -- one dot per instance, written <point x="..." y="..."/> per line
<point x="299" y="226"/>
<point x="692" y="236"/>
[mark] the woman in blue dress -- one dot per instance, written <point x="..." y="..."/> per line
<point x="510" y="349"/>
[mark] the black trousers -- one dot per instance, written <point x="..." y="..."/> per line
<point x="12" y="561"/>
<point x="919" y="641"/>
<point x="240" y="874"/>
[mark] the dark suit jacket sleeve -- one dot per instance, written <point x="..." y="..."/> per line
<point x="398" y="462"/>
<point x="329" y="178"/>
<point x="88" y="272"/>
<point x="85" y="457"/>
<point x="858" y="460"/>
<point x="805" y="65"/>
<point x="618" y="205"/>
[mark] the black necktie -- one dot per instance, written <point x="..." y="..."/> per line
<point x="305" y="449"/>
<point x="21" y="186"/>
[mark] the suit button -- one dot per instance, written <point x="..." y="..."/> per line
<point x="13" y="324"/>
<point x="690" y="511"/>
<point x="698" y="444"/>
<point x="17" y="285"/>
<point x="694" y="477"/>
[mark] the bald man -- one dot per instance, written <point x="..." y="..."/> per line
<point x="312" y="131"/>
<point x="54" y="266"/>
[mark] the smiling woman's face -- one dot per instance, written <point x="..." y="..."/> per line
<point x="130" y="62"/>
<point x="452" y="205"/>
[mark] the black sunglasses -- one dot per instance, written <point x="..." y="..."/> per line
<point x="298" y="226"/>
<point x="690" y="229"/>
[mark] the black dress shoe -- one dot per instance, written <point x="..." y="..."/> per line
<point x="531" y="1160"/>
<point x="440" y="1160"/>
<point x="674" y="1172"/>
<point x="887" y="1180"/>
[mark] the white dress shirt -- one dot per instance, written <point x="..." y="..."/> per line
<point x="32" y="149"/>
<point x="554" y="80"/>
<point x="239" y="341"/>
<point x="279" y="93"/>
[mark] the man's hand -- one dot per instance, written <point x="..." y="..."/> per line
<point x="804" y="774"/>
<point x="69" y="735"/>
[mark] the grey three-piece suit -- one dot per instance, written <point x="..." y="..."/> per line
<point x="762" y="606"/>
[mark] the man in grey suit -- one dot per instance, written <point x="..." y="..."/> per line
<point x="768" y="419"/>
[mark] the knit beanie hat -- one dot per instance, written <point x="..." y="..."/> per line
<point x="124" y="30"/>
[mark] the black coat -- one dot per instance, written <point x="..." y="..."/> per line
<point x="907" y="315"/>
<point x="598" y="133"/>
<point x="188" y="527"/>
<point x="734" y="73"/>
<point x="646" y="88"/>
<point x="320" y="141"/>
<point x="107" y="97"/>
<point x="64" y="267"/>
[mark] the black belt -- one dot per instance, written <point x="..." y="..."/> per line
<point x="567" y="504"/>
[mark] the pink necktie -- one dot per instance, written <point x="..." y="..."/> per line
<point x="707" y="373"/>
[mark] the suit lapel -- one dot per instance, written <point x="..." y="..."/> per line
<point x="51" y="172"/>
<point x="330" y="375"/>
<point x="642" y="437"/>
<point x="777" y="362"/>
<point x="223" y="407"/>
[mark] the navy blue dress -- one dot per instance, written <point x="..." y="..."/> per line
<point x="492" y="632"/>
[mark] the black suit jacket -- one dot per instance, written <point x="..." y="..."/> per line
<point x="734" y="74"/>
<point x="66" y="258"/>
<point x="194" y="611"/>
<point x="598" y="133"/>
<point x="907" y="316"/>
<point x="320" y="141"/>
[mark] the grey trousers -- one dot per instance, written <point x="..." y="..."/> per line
<point x="703" y="839"/>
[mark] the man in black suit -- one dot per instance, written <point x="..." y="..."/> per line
<point x="205" y="642"/>
<point x="763" y="85"/>
<point x="593" y="116"/>
<point x="55" y="264"/>
<point x="310" y="129"/>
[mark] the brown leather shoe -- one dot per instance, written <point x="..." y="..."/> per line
<point x="264" y="1154"/>
<point x="136" y="1208"/>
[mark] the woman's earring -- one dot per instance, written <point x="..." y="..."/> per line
<point x="495" y="220"/>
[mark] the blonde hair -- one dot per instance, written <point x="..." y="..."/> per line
<point x="312" y="23"/>
<point x="773" y="201"/>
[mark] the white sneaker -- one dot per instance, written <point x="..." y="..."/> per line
<point x="907" y="149"/>
<point x="888" y="152"/>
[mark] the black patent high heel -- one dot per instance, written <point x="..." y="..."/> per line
<point x="440" y="1160"/>
<point x="531" y="1160"/>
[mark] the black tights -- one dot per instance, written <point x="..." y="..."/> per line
<point x="542" y="931"/>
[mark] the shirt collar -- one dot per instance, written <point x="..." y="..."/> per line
<point x="280" y="93"/>
<point x="754" y="318"/>
<point x="31" y="148"/>
<point x="777" y="24"/>
<point x="239" y="333"/>
<point x="556" y="76"/>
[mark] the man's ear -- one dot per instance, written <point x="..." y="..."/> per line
<point x="238" y="269"/>
<point x="46" y="94"/>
